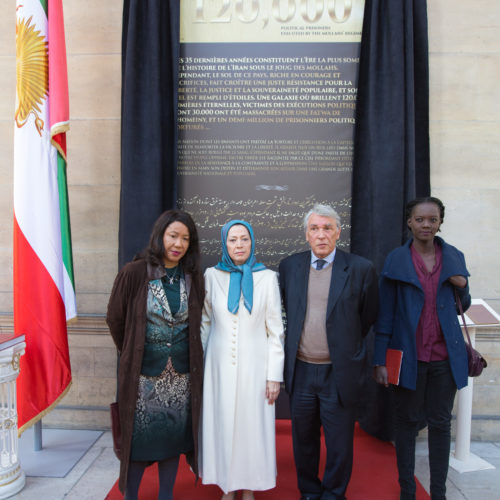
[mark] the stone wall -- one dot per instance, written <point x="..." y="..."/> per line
<point x="464" y="109"/>
<point x="464" y="61"/>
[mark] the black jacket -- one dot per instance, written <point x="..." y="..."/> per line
<point x="351" y="310"/>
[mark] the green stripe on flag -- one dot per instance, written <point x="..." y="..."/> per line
<point x="64" y="211"/>
<point x="44" y="5"/>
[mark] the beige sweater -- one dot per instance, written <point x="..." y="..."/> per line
<point x="313" y="346"/>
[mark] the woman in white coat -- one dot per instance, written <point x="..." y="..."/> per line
<point x="242" y="336"/>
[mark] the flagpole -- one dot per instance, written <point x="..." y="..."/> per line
<point x="37" y="436"/>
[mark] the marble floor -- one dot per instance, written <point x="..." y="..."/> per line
<point x="477" y="485"/>
<point x="94" y="475"/>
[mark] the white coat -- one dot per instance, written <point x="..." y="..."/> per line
<point x="242" y="352"/>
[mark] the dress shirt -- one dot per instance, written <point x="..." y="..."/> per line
<point x="431" y="345"/>
<point x="329" y="259"/>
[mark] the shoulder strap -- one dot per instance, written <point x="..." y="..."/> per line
<point x="459" y="303"/>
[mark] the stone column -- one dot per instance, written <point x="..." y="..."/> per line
<point x="12" y="478"/>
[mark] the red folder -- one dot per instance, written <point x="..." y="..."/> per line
<point x="393" y="359"/>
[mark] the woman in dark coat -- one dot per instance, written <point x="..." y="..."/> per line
<point x="154" y="315"/>
<point x="418" y="315"/>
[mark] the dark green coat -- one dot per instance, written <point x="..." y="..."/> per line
<point x="126" y="319"/>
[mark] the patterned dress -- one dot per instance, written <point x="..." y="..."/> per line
<point x="162" y="422"/>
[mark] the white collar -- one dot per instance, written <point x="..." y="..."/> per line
<point x="329" y="258"/>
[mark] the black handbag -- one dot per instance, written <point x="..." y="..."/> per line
<point x="116" y="429"/>
<point x="475" y="361"/>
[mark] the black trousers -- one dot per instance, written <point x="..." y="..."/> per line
<point x="314" y="402"/>
<point x="432" y="400"/>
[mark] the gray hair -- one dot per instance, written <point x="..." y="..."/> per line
<point x="323" y="211"/>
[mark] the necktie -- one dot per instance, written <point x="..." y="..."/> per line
<point x="320" y="263"/>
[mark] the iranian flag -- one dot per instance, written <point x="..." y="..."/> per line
<point x="44" y="293"/>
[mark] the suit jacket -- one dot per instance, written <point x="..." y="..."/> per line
<point x="351" y="310"/>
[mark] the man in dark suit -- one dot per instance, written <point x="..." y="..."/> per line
<point x="331" y="300"/>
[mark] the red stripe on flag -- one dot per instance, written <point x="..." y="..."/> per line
<point x="60" y="140"/>
<point x="58" y="73"/>
<point x="39" y="314"/>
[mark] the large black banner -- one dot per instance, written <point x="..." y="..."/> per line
<point x="266" y="109"/>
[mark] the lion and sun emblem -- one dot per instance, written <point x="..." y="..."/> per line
<point x="32" y="79"/>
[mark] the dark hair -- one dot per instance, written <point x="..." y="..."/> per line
<point x="427" y="199"/>
<point x="155" y="251"/>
